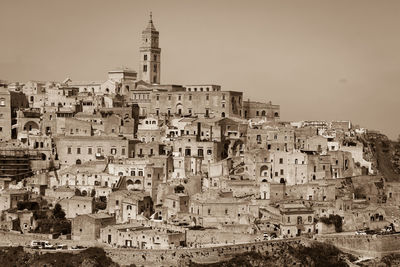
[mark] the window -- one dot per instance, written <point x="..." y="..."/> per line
<point x="157" y="97"/>
<point x="145" y="57"/>
<point x="207" y="97"/>
<point x="209" y="151"/>
<point x="179" y="97"/>
<point x="144" y="68"/>
<point x="309" y="219"/>
<point x="281" y="161"/>
<point x="123" y="152"/>
<point x="190" y="97"/>
<point x="223" y="97"/>
<point x="2" y="102"/>
<point x="209" y="211"/>
<point x="169" y="97"/>
<point x="89" y="151"/>
<point x="113" y="151"/>
<point x="78" y="150"/>
<point x="155" y="57"/>
<point x="155" y="68"/>
<point x="132" y="173"/>
<point x="281" y="171"/>
<point x="288" y="220"/>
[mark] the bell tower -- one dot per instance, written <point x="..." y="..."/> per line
<point x="150" y="54"/>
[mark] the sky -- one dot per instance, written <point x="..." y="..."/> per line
<point x="319" y="60"/>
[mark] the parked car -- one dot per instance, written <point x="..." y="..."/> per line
<point x="40" y="244"/>
<point x="61" y="247"/>
<point x="361" y="232"/>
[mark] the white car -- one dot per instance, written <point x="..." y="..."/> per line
<point x="361" y="233"/>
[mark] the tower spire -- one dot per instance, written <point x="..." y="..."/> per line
<point x="150" y="54"/>
<point x="150" y="25"/>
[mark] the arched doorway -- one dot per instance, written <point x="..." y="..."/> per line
<point x="264" y="171"/>
<point x="78" y="162"/>
<point x="179" y="108"/>
<point x="30" y="125"/>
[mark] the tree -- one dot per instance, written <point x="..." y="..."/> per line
<point x="335" y="220"/>
<point x="58" y="212"/>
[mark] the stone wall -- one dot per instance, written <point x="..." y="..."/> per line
<point x="365" y="245"/>
<point x="181" y="257"/>
<point x="216" y="236"/>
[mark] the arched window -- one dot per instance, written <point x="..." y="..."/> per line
<point x="223" y="114"/>
<point x="264" y="171"/>
<point x="78" y="162"/>
<point x="263" y="113"/>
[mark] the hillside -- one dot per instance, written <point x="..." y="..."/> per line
<point x="319" y="254"/>
<point x="91" y="257"/>
<point x="385" y="154"/>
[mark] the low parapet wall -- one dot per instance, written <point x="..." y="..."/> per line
<point x="181" y="257"/>
<point x="364" y="245"/>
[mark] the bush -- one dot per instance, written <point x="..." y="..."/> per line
<point x="53" y="226"/>
<point x="335" y="220"/>
<point x="58" y="212"/>
<point x="29" y="205"/>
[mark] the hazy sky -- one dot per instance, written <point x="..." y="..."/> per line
<point x="332" y="60"/>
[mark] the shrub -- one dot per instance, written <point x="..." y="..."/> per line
<point x="335" y="220"/>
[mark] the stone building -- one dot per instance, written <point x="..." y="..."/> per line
<point x="78" y="149"/>
<point x="254" y="109"/>
<point x="77" y="205"/>
<point x="270" y="138"/>
<point x="5" y="113"/>
<point x="127" y="205"/>
<point x="86" y="227"/>
<point x="297" y="219"/>
<point x="9" y="198"/>
<point x="142" y="237"/>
